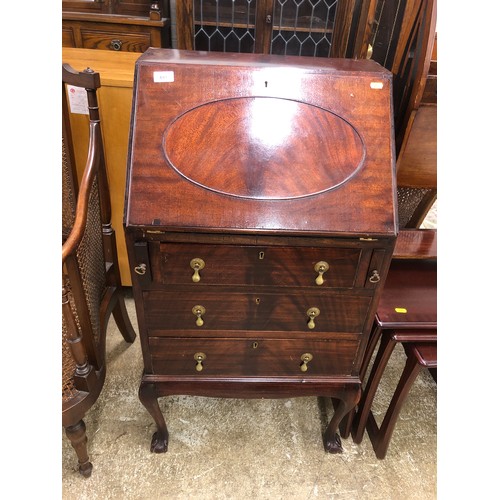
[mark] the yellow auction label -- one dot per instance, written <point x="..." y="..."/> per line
<point x="401" y="310"/>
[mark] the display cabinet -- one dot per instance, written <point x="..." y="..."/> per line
<point x="116" y="25"/>
<point x="288" y="27"/>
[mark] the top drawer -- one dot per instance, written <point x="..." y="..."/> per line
<point x="327" y="267"/>
<point x="116" y="40"/>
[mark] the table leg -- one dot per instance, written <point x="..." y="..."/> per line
<point x="380" y="438"/>
<point x="387" y="344"/>
<point x="348" y="420"/>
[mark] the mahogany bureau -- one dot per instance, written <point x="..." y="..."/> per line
<point x="260" y="223"/>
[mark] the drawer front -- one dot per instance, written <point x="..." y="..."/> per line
<point x="324" y="267"/>
<point x="115" y="40"/>
<point x="256" y="357"/>
<point x="327" y="312"/>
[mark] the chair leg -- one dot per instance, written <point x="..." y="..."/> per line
<point x="78" y="438"/>
<point x="122" y="320"/>
<point x="381" y="438"/>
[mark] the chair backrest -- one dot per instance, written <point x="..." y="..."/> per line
<point x="401" y="37"/>
<point x="84" y="208"/>
<point x="417" y="159"/>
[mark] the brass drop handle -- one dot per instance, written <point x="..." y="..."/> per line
<point x="140" y="269"/>
<point x="305" y="358"/>
<point x="199" y="311"/>
<point x="197" y="265"/>
<point x="321" y="267"/>
<point x="312" y="313"/>
<point x="199" y="358"/>
<point x="375" y="277"/>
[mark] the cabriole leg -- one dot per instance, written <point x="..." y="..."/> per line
<point x="149" y="398"/>
<point x="347" y="401"/>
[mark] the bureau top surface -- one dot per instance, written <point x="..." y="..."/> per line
<point x="252" y="143"/>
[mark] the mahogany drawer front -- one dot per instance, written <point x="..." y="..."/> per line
<point x="115" y="40"/>
<point x="204" y="311"/>
<point x="247" y="265"/>
<point x="256" y="357"/>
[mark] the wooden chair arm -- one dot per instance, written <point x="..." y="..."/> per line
<point x="82" y="205"/>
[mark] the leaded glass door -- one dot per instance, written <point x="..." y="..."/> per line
<point x="289" y="27"/>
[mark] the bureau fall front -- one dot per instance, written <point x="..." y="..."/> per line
<point x="260" y="222"/>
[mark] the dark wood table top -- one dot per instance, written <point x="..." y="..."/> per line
<point x="416" y="244"/>
<point x="409" y="298"/>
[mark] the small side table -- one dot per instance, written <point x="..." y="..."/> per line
<point x="408" y="306"/>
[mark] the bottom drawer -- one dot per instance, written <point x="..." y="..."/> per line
<point x="256" y="357"/>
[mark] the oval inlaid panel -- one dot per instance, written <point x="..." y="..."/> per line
<point x="263" y="148"/>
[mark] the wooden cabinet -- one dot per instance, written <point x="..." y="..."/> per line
<point x="290" y="27"/>
<point x="116" y="25"/>
<point x="260" y="224"/>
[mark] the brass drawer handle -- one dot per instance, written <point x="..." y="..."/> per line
<point x="197" y="265"/>
<point x="115" y="44"/>
<point x="321" y="267"/>
<point x="199" y="311"/>
<point x="312" y="313"/>
<point x="305" y="358"/>
<point x="199" y="358"/>
<point x="375" y="277"/>
<point x="140" y="269"/>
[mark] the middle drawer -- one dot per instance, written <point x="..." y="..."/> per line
<point x="202" y="311"/>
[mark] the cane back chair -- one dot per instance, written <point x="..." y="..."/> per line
<point x="91" y="286"/>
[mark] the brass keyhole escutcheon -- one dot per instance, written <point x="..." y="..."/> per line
<point x="305" y="358"/>
<point x="375" y="277"/>
<point x="140" y="269"/>
<point x="255" y="345"/>
<point x="197" y="265"/>
<point x="199" y="358"/>
<point x="321" y="267"/>
<point x="312" y="313"/>
<point x="199" y="311"/>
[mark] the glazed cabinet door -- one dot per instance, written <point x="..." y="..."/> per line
<point x="286" y="27"/>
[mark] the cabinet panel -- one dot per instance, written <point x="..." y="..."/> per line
<point x="224" y="25"/>
<point x="68" y="38"/>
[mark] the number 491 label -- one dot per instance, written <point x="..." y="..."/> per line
<point x="163" y="76"/>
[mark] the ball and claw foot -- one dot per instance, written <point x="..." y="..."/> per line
<point x="334" y="446"/>
<point x="85" y="469"/>
<point x="159" y="443"/>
